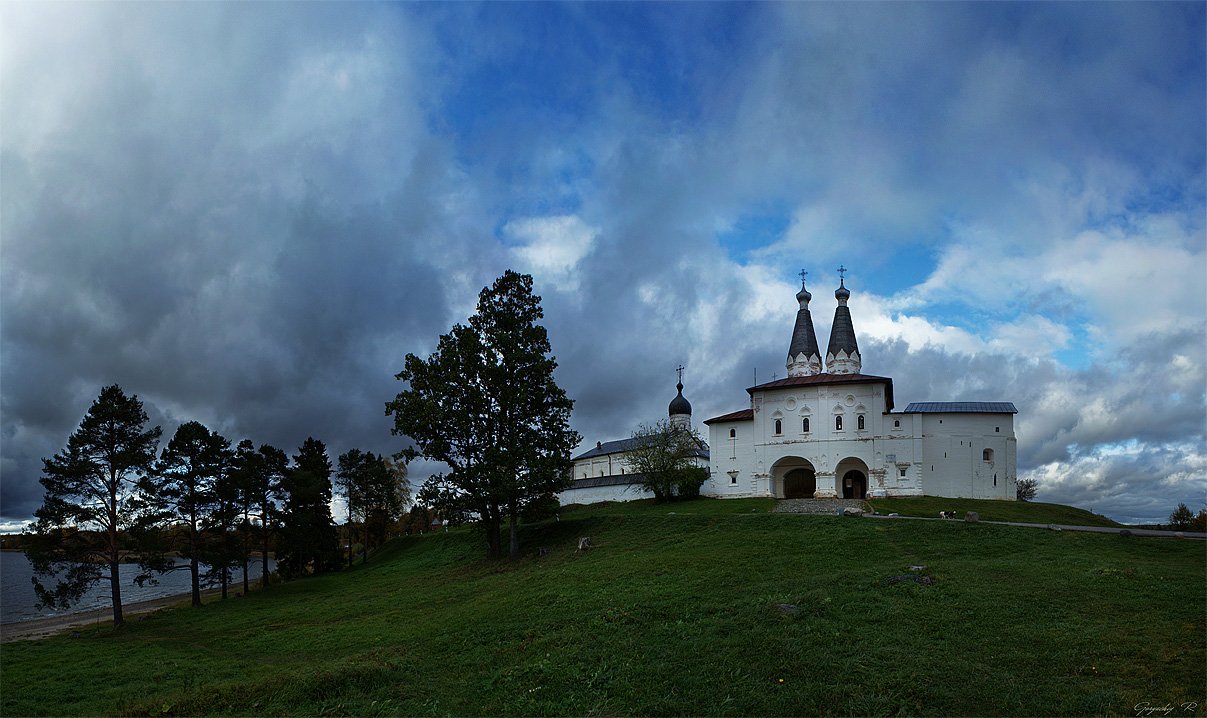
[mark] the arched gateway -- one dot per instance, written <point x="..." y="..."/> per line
<point x="852" y="477"/>
<point x="795" y="478"/>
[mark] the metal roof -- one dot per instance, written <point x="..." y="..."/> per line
<point x="614" y="480"/>
<point x="622" y="445"/>
<point x="842" y="332"/>
<point x="740" y="415"/>
<point x="804" y="339"/>
<point x="829" y="379"/>
<point x="960" y="407"/>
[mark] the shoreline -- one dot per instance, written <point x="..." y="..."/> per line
<point x="38" y="628"/>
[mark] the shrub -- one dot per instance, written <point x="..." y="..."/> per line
<point x="1181" y="518"/>
<point x="1025" y="489"/>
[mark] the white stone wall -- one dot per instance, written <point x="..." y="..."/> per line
<point x="954" y="446"/>
<point x="900" y="454"/>
<point x="752" y="463"/>
<point x="596" y="466"/>
<point x="730" y="472"/>
<point x="598" y="494"/>
<point x="616" y="464"/>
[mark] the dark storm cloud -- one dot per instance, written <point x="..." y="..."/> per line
<point x="248" y="234"/>
<point x="248" y="214"/>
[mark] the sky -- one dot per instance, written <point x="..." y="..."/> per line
<point x="248" y="214"/>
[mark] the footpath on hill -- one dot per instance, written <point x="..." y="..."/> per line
<point x="1122" y="530"/>
<point x="831" y="507"/>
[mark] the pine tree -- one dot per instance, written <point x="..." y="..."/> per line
<point x="84" y="527"/>
<point x="183" y="490"/>
<point x="309" y="541"/>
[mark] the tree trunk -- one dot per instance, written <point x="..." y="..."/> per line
<point x="245" y="572"/>
<point x="514" y="522"/>
<point x="115" y="589"/>
<point x="494" y="540"/>
<point x="225" y="581"/>
<point x="115" y="579"/>
<point x="350" y="554"/>
<point x="194" y="574"/>
<point x="264" y="561"/>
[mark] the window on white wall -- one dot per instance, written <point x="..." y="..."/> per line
<point x="779" y="427"/>
<point x="733" y="433"/>
<point x="902" y="470"/>
<point x="805" y="425"/>
<point x="896" y="423"/>
<point x="987" y="455"/>
<point x="859" y="423"/>
<point x="838" y="423"/>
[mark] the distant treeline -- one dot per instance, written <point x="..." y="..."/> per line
<point x="112" y="497"/>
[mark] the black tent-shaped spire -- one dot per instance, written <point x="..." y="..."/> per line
<point x="842" y="333"/>
<point x="804" y="338"/>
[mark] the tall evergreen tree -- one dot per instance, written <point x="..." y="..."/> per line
<point x="83" y="528"/>
<point x="183" y="490"/>
<point x="309" y="540"/>
<point x="264" y="488"/>
<point x="245" y="464"/>
<point x="487" y="405"/>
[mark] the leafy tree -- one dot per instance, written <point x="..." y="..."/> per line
<point x="182" y="491"/>
<point x="664" y="454"/>
<point x="486" y="405"/>
<point x="1025" y="489"/>
<point x="309" y="541"/>
<point x="88" y="519"/>
<point x="1181" y="518"/>
<point x="376" y="491"/>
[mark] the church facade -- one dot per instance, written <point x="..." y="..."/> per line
<point x="830" y="431"/>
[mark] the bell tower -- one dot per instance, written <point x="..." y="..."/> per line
<point x="842" y="355"/>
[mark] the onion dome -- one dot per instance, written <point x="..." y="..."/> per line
<point x="679" y="405"/>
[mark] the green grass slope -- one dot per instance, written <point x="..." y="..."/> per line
<point x="673" y="613"/>
<point x="992" y="510"/>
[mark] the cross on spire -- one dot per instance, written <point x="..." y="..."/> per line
<point x="803" y="274"/>
<point x="842" y="271"/>
<point x="679" y="369"/>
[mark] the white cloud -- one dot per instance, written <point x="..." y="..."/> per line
<point x="552" y="247"/>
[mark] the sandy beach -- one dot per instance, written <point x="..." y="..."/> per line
<point x="37" y="628"/>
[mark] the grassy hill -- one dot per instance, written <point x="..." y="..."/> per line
<point x="676" y="611"/>
<point x="993" y="510"/>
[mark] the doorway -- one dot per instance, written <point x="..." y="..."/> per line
<point x="800" y="484"/>
<point x="854" y="485"/>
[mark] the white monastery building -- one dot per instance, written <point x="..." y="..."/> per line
<point x="830" y="433"/>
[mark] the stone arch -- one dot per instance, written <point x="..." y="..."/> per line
<point x="793" y="477"/>
<point x="852" y="476"/>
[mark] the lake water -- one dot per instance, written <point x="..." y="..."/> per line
<point x="18" y="600"/>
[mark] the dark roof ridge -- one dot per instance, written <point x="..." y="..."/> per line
<point x="740" y="415"/>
